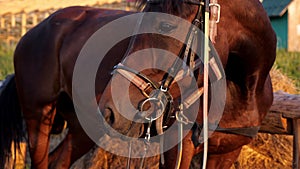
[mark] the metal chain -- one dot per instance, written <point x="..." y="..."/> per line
<point x="146" y="142"/>
<point x="129" y="156"/>
<point x="181" y="118"/>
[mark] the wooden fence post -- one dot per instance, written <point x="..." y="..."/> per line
<point x="2" y="22"/>
<point x="289" y="106"/>
<point x="13" y="20"/>
<point x="23" y="23"/>
<point x="46" y="14"/>
<point x="34" y="19"/>
<point x="296" y="143"/>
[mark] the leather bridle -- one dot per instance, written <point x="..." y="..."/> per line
<point x="158" y="92"/>
<point x="146" y="85"/>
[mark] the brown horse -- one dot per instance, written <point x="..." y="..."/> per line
<point x="45" y="60"/>
<point x="246" y="45"/>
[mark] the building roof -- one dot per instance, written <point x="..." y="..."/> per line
<point x="276" y="8"/>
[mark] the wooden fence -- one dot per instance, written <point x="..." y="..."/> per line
<point x="14" y="25"/>
<point x="284" y="118"/>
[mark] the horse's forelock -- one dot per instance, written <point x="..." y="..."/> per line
<point x="176" y="7"/>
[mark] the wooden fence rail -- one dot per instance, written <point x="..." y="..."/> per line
<point x="284" y="118"/>
<point x="14" y="25"/>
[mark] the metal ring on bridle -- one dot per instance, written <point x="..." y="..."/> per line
<point x="151" y="99"/>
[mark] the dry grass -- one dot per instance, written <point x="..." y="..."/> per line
<point x="267" y="151"/>
<point x="98" y="158"/>
<point x="282" y="82"/>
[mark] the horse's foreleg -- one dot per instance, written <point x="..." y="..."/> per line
<point x="38" y="127"/>
<point x="223" y="161"/>
<point x="188" y="151"/>
<point x="75" y="145"/>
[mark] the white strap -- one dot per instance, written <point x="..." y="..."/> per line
<point x="137" y="81"/>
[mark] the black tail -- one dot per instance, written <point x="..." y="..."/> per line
<point x="11" y="122"/>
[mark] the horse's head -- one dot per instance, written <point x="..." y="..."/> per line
<point x="148" y="84"/>
<point x="161" y="76"/>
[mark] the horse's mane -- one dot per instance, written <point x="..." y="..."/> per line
<point x="175" y="7"/>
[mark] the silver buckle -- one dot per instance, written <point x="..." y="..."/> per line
<point x="163" y="90"/>
<point x="219" y="10"/>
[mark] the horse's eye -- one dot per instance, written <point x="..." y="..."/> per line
<point x="165" y="27"/>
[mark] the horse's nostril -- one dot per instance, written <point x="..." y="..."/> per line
<point x="108" y="116"/>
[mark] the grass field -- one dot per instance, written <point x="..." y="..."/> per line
<point x="289" y="64"/>
<point x="6" y="60"/>
<point x="286" y="62"/>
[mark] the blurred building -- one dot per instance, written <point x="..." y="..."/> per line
<point x="285" y="19"/>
